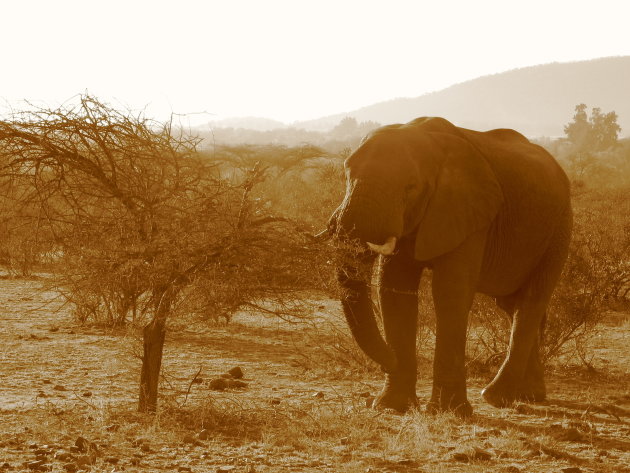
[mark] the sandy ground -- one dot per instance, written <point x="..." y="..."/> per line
<point x="60" y="382"/>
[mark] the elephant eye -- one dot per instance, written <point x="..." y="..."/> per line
<point x="412" y="187"/>
<point x="411" y="191"/>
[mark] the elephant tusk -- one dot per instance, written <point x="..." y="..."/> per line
<point x="385" y="249"/>
<point x="322" y="236"/>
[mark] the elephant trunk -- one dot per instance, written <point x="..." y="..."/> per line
<point x="356" y="256"/>
<point x="354" y="280"/>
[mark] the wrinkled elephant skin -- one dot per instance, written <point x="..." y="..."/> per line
<point x="486" y="212"/>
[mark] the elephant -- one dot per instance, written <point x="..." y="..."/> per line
<point x="485" y="212"/>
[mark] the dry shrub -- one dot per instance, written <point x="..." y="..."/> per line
<point x="144" y="223"/>
<point x="326" y="347"/>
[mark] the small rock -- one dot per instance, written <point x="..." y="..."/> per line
<point x="70" y="467"/>
<point x="138" y="442"/>
<point x="218" y="384"/>
<point x="85" y="460"/>
<point x="534" y="453"/>
<point x="571" y="469"/>
<point x="204" y="434"/>
<point x="190" y="438"/>
<point x="319" y="395"/>
<point x="84" y="445"/>
<point x="46" y="381"/>
<point x="64" y="456"/>
<point x="146" y="448"/>
<point x="87" y="394"/>
<point x="571" y="435"/>
<point x="235" y="383"/>
<point x="461" y="457"/>
<point x="236" y="372"/>
<point x="197" y="381"/>
<point x="344" y="440"/>
<point x="112" y="460"/>
<point x="275" y="402"/>
<point x="59" y="387"/>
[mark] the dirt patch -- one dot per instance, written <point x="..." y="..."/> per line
<point x="68" y="396"/>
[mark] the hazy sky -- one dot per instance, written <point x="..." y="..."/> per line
<point x="287" y="60"/>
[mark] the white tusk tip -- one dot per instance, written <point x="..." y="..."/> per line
<point x="385" y="249"/>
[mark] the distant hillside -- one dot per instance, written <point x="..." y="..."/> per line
<point x="537" y="101"/>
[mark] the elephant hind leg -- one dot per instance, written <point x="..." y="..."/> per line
<point x="532" y="386"/>
<point x="521" y="376"/>
<point x="521" y="369"/>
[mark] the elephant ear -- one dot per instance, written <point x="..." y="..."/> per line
<point x="466" y="198"/>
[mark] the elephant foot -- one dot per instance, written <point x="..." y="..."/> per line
<point x="443" y="401"/>
<point x="497" y="397"/>
<point x="462" y="410"/>
<point x="504" y="394"/>
<point x="532" y="392"/>
<point x="397" y="394"/>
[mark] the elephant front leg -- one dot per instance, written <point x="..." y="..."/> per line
<point x="398" y="299"/>
<point x="449" y="370"/>
<point x="455" y="278"/>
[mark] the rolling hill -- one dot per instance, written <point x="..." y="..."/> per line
<point x="537" y="101"/>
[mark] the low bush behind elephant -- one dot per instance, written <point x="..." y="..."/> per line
<point x="487" y="212"/>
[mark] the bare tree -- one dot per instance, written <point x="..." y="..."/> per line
<point x="139" y="221"/>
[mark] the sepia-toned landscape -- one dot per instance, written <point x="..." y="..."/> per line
<point x="314" y="237"/>
<point x="123" y="237"/>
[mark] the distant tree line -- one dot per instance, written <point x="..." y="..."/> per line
<point x="346" y="134"/>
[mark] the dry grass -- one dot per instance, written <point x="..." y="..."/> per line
<point x="303" y="409"/>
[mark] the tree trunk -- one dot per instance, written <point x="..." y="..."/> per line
<point x="153" y="341"/>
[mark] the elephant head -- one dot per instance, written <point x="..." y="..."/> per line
<point x="419" y="188"/>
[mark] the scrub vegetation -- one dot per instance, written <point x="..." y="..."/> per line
<point x="142" y="266"/>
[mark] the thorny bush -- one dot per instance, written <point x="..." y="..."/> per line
<point x="142" y="225"/>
